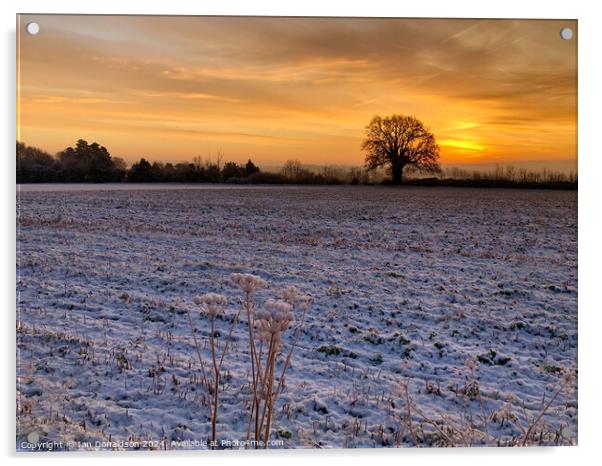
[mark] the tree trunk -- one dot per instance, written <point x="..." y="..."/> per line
<point x="396" y="172"/>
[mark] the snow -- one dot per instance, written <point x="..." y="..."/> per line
<point x="410" y="285"/>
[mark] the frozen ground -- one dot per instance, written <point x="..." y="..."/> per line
<point x="467" y="296"/>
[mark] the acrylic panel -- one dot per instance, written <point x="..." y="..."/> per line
<point x="295" y="232"/>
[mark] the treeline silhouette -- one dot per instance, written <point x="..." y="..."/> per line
<point x="500" y="177"/>
<point x="92" y="163"/>
<point x="83" y="163"/>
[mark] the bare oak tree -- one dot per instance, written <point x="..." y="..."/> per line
<point x="400" y="141"/>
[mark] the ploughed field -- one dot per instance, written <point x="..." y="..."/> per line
<point x="440" y="315"/>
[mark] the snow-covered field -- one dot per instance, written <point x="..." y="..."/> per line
<point x="466" y="297"/>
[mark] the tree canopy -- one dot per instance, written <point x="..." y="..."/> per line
<point x="89" y="163"/>
<point x="35" y="165"/>
<point x="397" y="142"/>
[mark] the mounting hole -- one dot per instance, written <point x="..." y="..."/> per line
<point x="566" y="33"/>
<point x="32" y="28"/>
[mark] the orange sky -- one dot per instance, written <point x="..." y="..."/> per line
<point x="171" y="88"/>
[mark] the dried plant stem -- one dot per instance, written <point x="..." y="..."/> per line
<point x="268" y="388"/>
<point x="201" y="362"/>
<point x="228" y="339"/>
<point x="538" y="418"/>
<point x="484" y="417"/>
<point x="257" y="407"/>
<point x="270" y="323"/>
<point x="213" y="402"/>
<point x="290" y="353"/>
<point x="216" y="371"/>
<point x="450" y="441"/>
<point x="409" y="417"/>
<point x="269" y="403"/>
<point x="252" y="410"/>
<point x="253" y="355"/>
<point x="264" y="388"/>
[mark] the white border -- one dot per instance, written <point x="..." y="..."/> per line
<point x="590" y="198"/>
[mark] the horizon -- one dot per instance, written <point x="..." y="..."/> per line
<point x="189" y="86"/>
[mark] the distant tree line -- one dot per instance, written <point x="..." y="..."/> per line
<point x="85" y="162"/>
<point x="92" y="163"/>
<point x="186" y="172"/>
<point x="499" y="177"/>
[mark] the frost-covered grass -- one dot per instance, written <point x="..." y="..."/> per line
<point x="439" y="316"/>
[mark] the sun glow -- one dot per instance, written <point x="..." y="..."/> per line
<point x="462" y="144"/>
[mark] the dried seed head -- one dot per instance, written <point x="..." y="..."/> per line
<point x="273" y="319"/>
<point x="567" y="379"/>
<point x="247" y="282"/>
<point x="211" y="303"/>
<point x="294" y="296"/>
<point x="290" y="295"/>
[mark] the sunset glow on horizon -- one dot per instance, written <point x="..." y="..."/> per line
<point x="273" y="89"/>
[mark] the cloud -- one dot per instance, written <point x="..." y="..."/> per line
<point x="317" y="80"/>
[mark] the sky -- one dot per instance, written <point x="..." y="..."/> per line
<point x="273" y="89"/>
